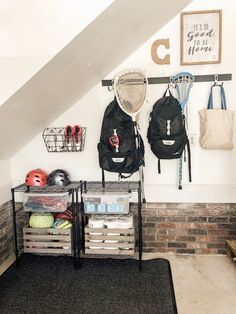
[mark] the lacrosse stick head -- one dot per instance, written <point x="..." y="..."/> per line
<point x="183" y="82"/>
<point x="130" y="89"/>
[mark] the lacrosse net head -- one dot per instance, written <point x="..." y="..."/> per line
<point x="183" y="82"/>
<point x="130" y="89"/>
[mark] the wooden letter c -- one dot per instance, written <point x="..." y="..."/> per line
<point x="155" y="45"/>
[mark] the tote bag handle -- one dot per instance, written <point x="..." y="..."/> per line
<point x="222" y="96"/>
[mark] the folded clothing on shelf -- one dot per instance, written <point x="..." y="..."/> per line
<point x="112" y="222"/>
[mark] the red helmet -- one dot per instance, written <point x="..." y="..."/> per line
<point x="36" y="177"/>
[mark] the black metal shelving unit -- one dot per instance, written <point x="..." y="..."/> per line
<point x="72" y="189"/>
<point x="115" y="186"/>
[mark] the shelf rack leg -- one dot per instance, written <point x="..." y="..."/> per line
<point x="83" y="188"/>
<point x="78" y="237"/>
<point x="14" y="225"/>
<point x="74" y="230"/>
<point x="140" y="241"/>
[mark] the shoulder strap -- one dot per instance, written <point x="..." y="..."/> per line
<point x="122" y="176"/>
<point x="222" y="96"/>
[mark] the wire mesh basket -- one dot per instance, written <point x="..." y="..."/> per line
<point x="57" y="141"/>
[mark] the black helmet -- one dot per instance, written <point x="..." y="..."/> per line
<point x="58" y="177"/>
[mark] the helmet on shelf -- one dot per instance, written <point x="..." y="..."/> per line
<point x="36" y="177"/>
<point x="41" y="220"/>
<point x="59" y="177"/>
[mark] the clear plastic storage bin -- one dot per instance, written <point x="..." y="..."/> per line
<point x="53" y="202"/>
<point x="106" y="203"/>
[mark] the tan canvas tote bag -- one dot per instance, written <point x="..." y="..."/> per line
<point x="216" y="124"/>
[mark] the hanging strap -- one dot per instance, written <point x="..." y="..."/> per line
<point x="222" y="96"/>
<point x="189" y="162"/>
<point x="103" y="178"/>
<point x="167" y="90"/>
<point x="159" y="165"/>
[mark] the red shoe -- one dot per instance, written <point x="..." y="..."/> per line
<point x="77" y="132"/>
<point x="68" y="137"/>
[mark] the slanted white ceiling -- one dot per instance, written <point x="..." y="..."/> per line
<point x="93" y="54"/>
<point x="42" y="28"/>
<point x="33" y="32"/>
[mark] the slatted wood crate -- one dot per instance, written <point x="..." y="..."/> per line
<point x="124" y="241"/>
<point x="47" y="241"/>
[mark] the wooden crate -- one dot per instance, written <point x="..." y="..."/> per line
<point x="47" y="241"/>
<point x="231" y="248"/>
<point x="124" y="246"/>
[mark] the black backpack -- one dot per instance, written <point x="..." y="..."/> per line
<point x="121" y="148"/>
<point x="166" y="132"/>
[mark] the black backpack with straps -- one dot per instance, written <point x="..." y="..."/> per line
<point x="120" y="148"/>
<point x="166" y="132"/>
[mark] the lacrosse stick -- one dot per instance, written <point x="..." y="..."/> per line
<point x="183" y="82"/>
<point x="130" y="89"/>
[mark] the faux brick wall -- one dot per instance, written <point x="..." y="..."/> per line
<point x="6" y="230"/>
<point x="188" y="228"/>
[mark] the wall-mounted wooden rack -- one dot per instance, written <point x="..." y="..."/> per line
<point x="198" y="78"/>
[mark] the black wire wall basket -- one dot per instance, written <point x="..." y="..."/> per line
<point x="68" y="139"/>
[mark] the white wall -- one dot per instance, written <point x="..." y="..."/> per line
<point x="5" y="181"/>
<point x="214" y="175"/>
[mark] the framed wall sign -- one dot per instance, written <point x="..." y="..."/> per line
<point x="200" y="41"/>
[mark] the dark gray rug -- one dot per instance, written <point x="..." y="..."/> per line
<point x="43" y="284"/>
